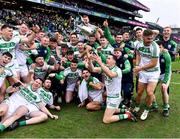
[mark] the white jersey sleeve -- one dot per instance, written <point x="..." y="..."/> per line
<point x="155" y="50"/>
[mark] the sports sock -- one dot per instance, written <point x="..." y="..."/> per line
<point x="166" y="106"/>
<point x="123" y="116"/>
<point x="122" y="110"/>
<point x="2" y="127"/>
<point x="22" y="123"/>
<point x="103" y="107"/>
<point x="154" y="104"/>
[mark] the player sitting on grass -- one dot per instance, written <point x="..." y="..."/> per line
<point x="93" y="89"/>
<point x="24" y="101"/>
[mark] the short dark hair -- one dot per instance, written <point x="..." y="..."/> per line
<point x="24" y="24"/>
<point x="92" y="35"/>
<point x="86" y="69"/>
<point x="70" y="52"/>
<point x="53" y="40"/>
<point x="148" y="32"/>
<point x="74" y="61"/>
<point x="102" y="37"/>
<point x="73" y="33"/>
<point x="118" y="34"/>
<point x="137" y="29"/>
<point x="80" y="42"/>
<point x="117" y="49"/>
<point x="6" y="26"/>
<point x="125" y="31"/>
<point x="8" y="54"/>
<point x="42" y="80"/>
<point x="37" y="56"/>
<point x="160" y="42"/>
<point x="47" y="78"/>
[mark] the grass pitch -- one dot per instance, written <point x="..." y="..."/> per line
<point x="76" y="122"/>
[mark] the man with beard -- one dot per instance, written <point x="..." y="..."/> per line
<point x="94" y="90"/>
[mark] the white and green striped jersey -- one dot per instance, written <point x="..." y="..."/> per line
<point x="9" y="46"/>
<point x="72" y="76"/>
<point x="6" y="73"/>
<point x="107" y="50"/>
<point x="29" y="95"/>
<point x="135" y="44"/>
<point x="147" y="53"/>
<point x="21" y="55"/>
<point x="45" y="96"/>
<point x="74" y="47"/>
<point x="41" y="72"/>
<point x="113" y="85"/>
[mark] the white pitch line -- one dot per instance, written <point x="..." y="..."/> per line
<point x="174" y="83"/>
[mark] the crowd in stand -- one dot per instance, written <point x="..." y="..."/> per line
<point x="49" y="22"/>
<point x="46" y="21"/>
<point x="93" y="67"/>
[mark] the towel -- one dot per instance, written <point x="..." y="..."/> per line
<point x="83" y="92"/>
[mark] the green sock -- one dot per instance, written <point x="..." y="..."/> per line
<point x="166" y="106"/>
<point x="22" y="123"/>
<point x="103" y="107"/>
<point x="122" y="110"/>
<point x="2" y="127"/>
<point x="154" y="104"/>
<point x="123" y="116"/>
<point x="123" y="106"/>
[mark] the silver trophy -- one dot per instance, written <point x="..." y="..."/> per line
<point x="87" y="29"/>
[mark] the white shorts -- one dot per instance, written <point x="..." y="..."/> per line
<point x="31" y="108"/>
<point x="161" y="78"/>
<point x="146" y="77"/>
<point x="113" y="102"/>
<point x="1" y="82"/>
<point x="98" y="99"/>
<point x="71" y="87"/>
<point x="23" y="70"/>
<point x="13" y="104"/>
<point x="96" y="95"/>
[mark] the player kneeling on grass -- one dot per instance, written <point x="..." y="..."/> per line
<point x="23" y="101"/>
<point x="113" y="76"/>
<point x="92" y="89"/>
